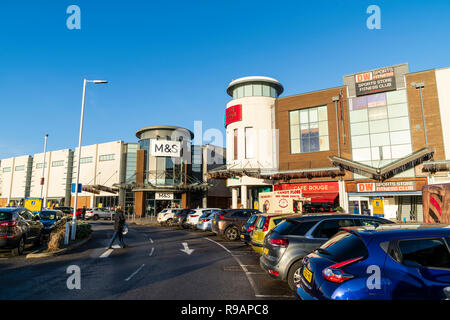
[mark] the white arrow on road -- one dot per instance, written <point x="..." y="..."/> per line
<point x="186" y="248"/>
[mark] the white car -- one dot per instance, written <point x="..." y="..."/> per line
<point x="97" y="213"/>
<point x="166" y="216"/>
<point x="195" y="214"/>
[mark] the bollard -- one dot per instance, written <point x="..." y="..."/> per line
<point x="66" y="236"/>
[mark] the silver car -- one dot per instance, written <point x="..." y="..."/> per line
<point x="204" y="222"/>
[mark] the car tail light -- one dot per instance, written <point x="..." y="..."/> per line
<point x="251" y="227"/>
<point x="205" y="220"/>
<point x="280" y="242"/>
<point x="194" y="216"/>
<point x="275" y="273"/>
<point x="336" y="275"/>
<point x="8" y="224"/>
<point x="221" y="216"/>
<point x="266" y="225"/>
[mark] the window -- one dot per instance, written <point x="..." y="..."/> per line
<point x="328" y="228"/>
<point x="235" y="144"/>
<point x="58" y="163"/>
<point x="309" y="130"/>
<point x="40" y="165"/>
<point x="7" y="169"/>
<point x="344" y="246"/>
<point x="26" y="215"/>
<point x="260" y="222"/>
<point x="248" y="92"/>
<point x="249" y="143"/>
<point x="20" y="168"/>
<point x="424" y="253"/>
<point x="106" y="157"/>
<point x="86" y="160"/>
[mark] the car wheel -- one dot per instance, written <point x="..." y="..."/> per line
<point x="20" y="246"/>
<point x="95" y="217"/>
<point x="294" y="275"/>
<point x="232" y="233"/>
<point x="169" y="222"/>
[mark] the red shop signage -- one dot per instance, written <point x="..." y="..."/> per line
<point x="233" y="114"/>
<point x="314" y="187"/>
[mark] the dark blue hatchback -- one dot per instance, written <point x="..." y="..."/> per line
<point x="386" y="263"/>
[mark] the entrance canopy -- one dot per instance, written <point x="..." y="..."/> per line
<point x="387" y="171"/>
<point x="95" y="189"/>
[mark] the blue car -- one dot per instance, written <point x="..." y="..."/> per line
<point x="49" y="217"/>
<point x="387" y="262"/>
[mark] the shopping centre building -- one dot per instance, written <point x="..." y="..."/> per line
<point x="143" y="177"/>
<point x="367" y="146"/>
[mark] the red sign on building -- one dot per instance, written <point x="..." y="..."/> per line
<point x="317" y="191"/>
<point x="233" y="114"/>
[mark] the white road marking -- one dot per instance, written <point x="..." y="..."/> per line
<point x="106" y="253"/>
<point x="151" y="240"/>
<point x="134" y="273"/>
<point x="153" y="249"/>
<point x="247" y="273"/>
<point x="116" y="246"/>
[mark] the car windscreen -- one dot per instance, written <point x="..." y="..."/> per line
<point x="48" y="215"/>
<point x="5" y="216"/>
<point x="343" y="246"/>
<point x="252" y="220"/>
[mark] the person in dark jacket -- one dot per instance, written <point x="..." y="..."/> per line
<point x="119" y="221"/>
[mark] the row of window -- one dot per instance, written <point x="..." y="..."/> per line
<point x="254" y="90"/>
<point x="250" y="141"/>
<point x="309" y="130"/>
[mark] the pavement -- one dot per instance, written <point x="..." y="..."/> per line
<point x="159" y="263"/>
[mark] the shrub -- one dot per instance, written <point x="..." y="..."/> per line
<point x="57" y="235"/>
<point x="339" y="209"/>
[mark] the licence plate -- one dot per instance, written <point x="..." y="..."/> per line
<point x="215" y="221"/>
<point x="307" y="274"/>
<point x="242" y="236"/>
<point x="266" y="251"/>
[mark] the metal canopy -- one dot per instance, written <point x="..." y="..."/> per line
<point x="387" y="171"/>
<point x="436" y="166"/>
<point x="95" y="189"/>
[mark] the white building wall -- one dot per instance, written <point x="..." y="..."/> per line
<point x="6" y="177"/>
<point x="258" y="113"/>
<point x="108" y="172"/>
<point x="18" y="185"/>
<point x="443" y="88"/>
<point x="55" y="183"/>
<point x="98" y="172"/>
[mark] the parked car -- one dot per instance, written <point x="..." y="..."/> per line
<point x="99" y="213"/>
<point x="166" y="216"/>
<point x="65" y="210"/>
<point x="18" y="226"/>
<point x="286" y="245"/>
<point x="204" y="223"/>
<point x="180" y="217"/>
<point x="265" y="223"/>
<point x="410" y="262"/>
<point x="49" y="217"/>
<point x="195" y="214"/>
<point x="229" y="222"/>
<point x="247" y="229"/>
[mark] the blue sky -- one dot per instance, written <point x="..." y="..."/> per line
<point x="169" y="62"/>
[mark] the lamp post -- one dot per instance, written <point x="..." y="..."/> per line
<point x="43" y="173"/>
<point x="420" y="85"/>
<point x="74" y="218"/>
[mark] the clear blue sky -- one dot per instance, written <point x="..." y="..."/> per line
<point x="169" y="62"/>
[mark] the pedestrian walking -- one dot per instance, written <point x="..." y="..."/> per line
<point x="119" y="222"/>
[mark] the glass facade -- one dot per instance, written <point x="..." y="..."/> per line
<point x="254" y="90"/>
<point x="380" y="129"/>
<point x="162" y="171"/>
<point x="309" y="130"/>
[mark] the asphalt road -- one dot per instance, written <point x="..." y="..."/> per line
<point x="152" y="267"/>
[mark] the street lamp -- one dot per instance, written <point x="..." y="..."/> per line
<point x="74" y="218"/>
<point x="420" y="85"/>
<point x="43" y="173"/>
